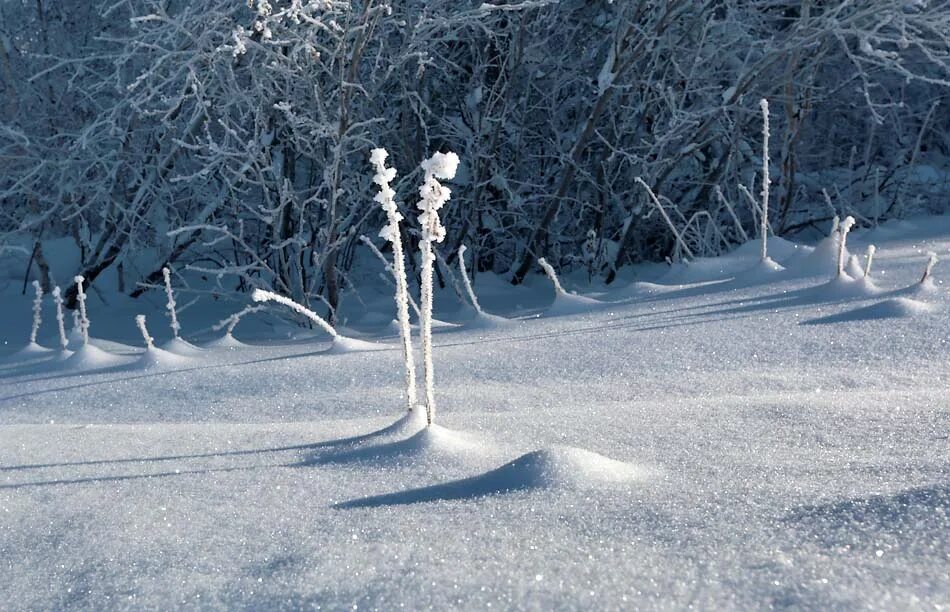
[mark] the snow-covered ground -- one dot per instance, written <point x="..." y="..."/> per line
<point x="772" y="440"/>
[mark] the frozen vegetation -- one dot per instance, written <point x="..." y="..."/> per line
<point x="695" y="436"/>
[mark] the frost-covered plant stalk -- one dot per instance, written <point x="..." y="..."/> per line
<point x="433" y="197"/>
<point x="229" y="323"/>
<point x="868" y="259"/>
<point x="764" y="221"/>
<point x="60" y="318"/>
<point x="390" y="232"/>
<point x="549" y="270"/>
<point x="389" y="268"/>
<point x="149" y="341"/>
<point x="260" y="295"/>
<point x="467" y="281"/>
<point x="83" y="316"/>
<point x="843" y="230"/>
<point x="170" y="305"/>
<point x="928" y="271"/>
<point x="37" y="311"/>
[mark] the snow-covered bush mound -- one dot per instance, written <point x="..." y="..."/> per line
<point x="433" y="442"/>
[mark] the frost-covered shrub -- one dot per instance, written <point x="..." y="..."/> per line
<point x="433" y="196"/>
<point x="390" y="232"/>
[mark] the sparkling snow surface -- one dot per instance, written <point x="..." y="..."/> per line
<point x="773" y="440"/>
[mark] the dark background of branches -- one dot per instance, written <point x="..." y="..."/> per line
<point x="232" y="139"/>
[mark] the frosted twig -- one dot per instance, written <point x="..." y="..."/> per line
<point x="868" y="259"/>
<point x="149" y="341"/>
<point x="928" y="271"/>
<point x="260" y="295"/>
<point x="83" y="317"/>
<point x="843" y="230"/>
<point x="37" y="311"/>
<point x="467" y="281"/>
<point x="549" y="270"/>
<point x="60" y="318"/>
<point x="764" y="221"/>
<point x="170" y="305"/>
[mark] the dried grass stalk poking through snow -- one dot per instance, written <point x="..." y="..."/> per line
<point x="149" y="341"/>
<point x="869" y="258"/>
<point x="170" y="305"/>
<point x="83" y="317"/>
<point x="549" y="270"/>
<point x="764" y="222"/>
<point x="60" y="317"/>
<point x="390" y="232"/>
<point x="928" y="271"/>
<point x="37" y="311"/>
<point x="468" y="282"/>
<point x="433" y="196"/>
<point x="843" y="230"/>
<point x="260" y="295"/>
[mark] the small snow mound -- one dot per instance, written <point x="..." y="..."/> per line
<point x="486" y="321"/>
<point x="779" y="249"/>
<point x="569" y="304"/>
<point x="844" y="287"/>
<point x="764" y="270"/>
<point x="894" y="308"/>
<point x="160" y="359"/>
<point x="31" y="351"/>
<point x="90" y="357"/>
<point x="822" y="261"/>
<point x="226" y="341"/>
<point x="432" y="442"/>
<point x="556" y="468"/>
<point x="182" y="347"/>
<point x="567" y="467"/>
<point x="345" y="344"/>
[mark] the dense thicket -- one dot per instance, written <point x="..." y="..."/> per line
<point x="234" y="137"/>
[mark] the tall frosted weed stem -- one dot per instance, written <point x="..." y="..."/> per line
<point x="764" y="221"/>
<point x="37" y="311"/>
<point x="390" y="232"/>
<point x="60" y="317"/>
<point x="83" y="315"/>
<point x="433" y="196"/>
<point x="170" y="305"/>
